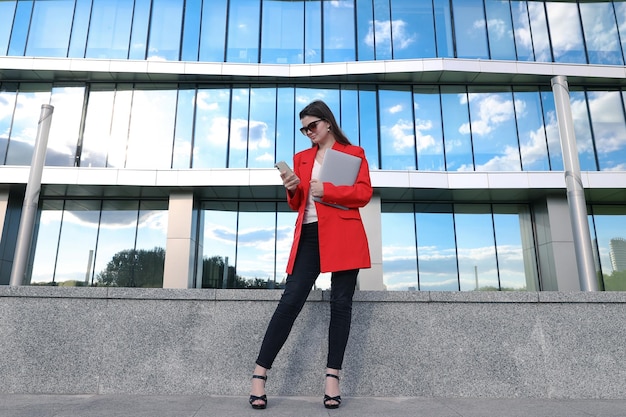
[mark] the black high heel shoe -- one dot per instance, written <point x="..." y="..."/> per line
<point x="263" y="397"/>
<point x="328" y="398"/>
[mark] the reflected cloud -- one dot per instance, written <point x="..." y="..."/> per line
<point x="498" y="29"/>
<point x="493" y="110"/>
<point x="219" y="127"/>
<point x="117" y="219"/>
<point x="380" y="33"/>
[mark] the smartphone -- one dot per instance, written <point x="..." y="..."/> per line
<point x="283" y="167"/>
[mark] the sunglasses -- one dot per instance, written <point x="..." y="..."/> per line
<point x="310" y="127"/>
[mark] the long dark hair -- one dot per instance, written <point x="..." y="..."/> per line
<point x="320" y="110"/>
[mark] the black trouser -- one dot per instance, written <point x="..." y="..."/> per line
<point x="297" y="288"/>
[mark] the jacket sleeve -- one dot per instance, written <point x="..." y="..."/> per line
<point x="354" y="196"/>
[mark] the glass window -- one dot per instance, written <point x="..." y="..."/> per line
<point x="51" y="23"/>
<point x="600" y="31"/>
<point x="25" y="122"/>
<point x="243" y="31"/>
<point x="213" y="31"/>
<point x="211" y="129"/>
<point x="500" y="29"/>
<point x="494" y="137"/>
<point x="582" y="130"/>
<point x="565" y="32"/>
<point x="238" y="128"/>
<point x="539" y="31"/>
<point x="282" y="37"/>
<point x="398" y="241"/>
<point x="65" y="125"/>
<point x="531" y="131"/>
<point x="109" y="30"/>
<point x="77" y="242"/>
<point x="348" y="119"/>
<point x="165" y="30"/>
<point x="382" y="30"/>
<point x="191" y="30"/>
<point x="517" y="266"/>
<point x="365" y="30"/>
<point x="118" y="141"/>
<point x="8" y="94"/>
<point x="261" y="127"/>
<point x="139" y="32"/>
<point x="436" y="248"/>
<point x="339" y="31"/>
<point x="428" y="134"/>
<point x="21" y="26"/>
<point x="97" y="131"/>
<point x="7" y="12"/>
<point x="478" y="267"/>
<point x="80" y="27"/>
<point x="115" y="257"/>
<point x="285" y="221"/>
<point x="150" y="243"/>
<point x="368" y="125"/>
<point x="470" y="29"/>
<point x="522" y="32"/>
<point x="457" y="141"/>
<point x="412" y="29"/>
<point x="312" y="32"/>
<point x="620" y="15"/>
<point x="610" y="239"/>
<point x="183" y="134"/>
<point x="552" y="131"/>
<point x="256" y="243"/>
<point x="151" y="130"/>
<point x="46" y="243"/>
<point x="609" y="129"/>
<point x="443" y="29"/>
<point x="219" y="248"/>
<point x="285" y="124"/>
<point x="397" y="139"/>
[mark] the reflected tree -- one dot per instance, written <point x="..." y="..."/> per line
<point x="134" y="268"/>
<point x="213" y="276"/>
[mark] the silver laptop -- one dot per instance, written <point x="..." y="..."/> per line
<point x="339" y="168"/>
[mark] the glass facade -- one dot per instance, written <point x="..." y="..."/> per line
<point x="296" y="32"/>
<point x="197" y="123"/>
<point x="460" y="128"/>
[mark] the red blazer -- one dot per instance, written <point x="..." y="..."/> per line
<point x="342" y="238"/>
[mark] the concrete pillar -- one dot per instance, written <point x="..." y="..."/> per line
<point x="180" y="250"/>
<point x="555" y="245"/>
<point x="372" y="279"/>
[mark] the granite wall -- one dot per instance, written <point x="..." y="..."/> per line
<point x="441" y="344"/>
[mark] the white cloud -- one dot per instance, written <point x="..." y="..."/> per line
<point x="380" y="32"/>
<point x="493" y="110"/>
<point x="395" y="109"/>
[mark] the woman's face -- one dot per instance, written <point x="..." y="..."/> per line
<point x="315" y="129"/>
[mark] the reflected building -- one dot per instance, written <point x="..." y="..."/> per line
<point x="170" y="114"/>
<point x="617" y="254"/>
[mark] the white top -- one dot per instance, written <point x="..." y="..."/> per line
<point x="310" y="212"/>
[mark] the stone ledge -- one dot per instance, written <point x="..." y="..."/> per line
<point x="211" y="294"/>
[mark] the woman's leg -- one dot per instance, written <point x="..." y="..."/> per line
<point x="297" y="288"/>
<point x="343" y="284"/>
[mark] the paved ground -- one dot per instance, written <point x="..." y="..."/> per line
<point x="19" y="405"/>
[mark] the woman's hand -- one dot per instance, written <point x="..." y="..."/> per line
<point x="317" y="188"/>
<point x="290" y="180"/>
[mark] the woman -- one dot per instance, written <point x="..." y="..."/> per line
<point x="326" y="239"/>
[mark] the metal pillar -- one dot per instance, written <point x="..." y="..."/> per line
<point x="31" y="199"/>
<point x="575" y="190"/>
